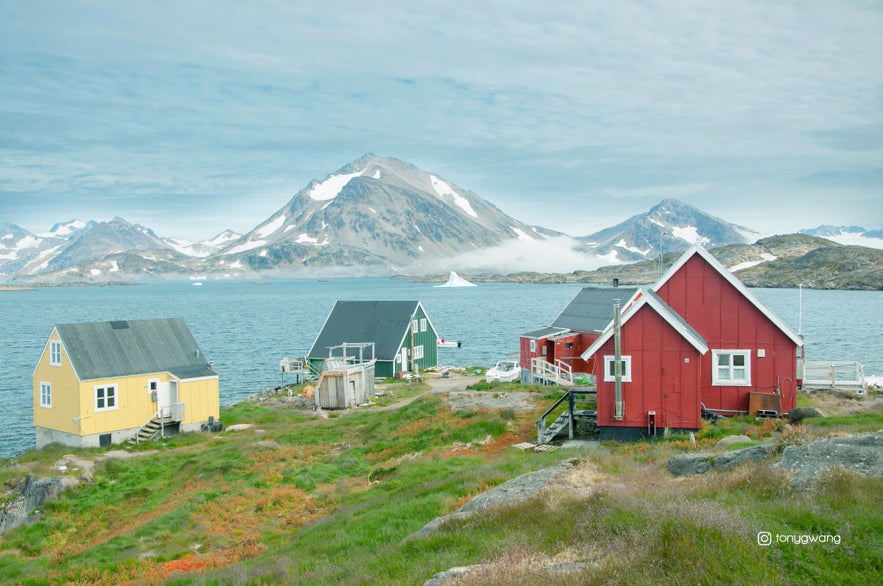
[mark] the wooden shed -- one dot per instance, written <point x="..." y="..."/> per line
<point x="348" y="380"/>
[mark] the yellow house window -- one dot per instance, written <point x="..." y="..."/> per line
<point x="45" y="395"/>
<point x="55" y="353"/>
<point x="106" y="398"/>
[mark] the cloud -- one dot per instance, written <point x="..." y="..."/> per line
<point x="532" y="107"/>
<point x="558" y="255"/>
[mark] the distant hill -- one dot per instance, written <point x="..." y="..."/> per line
<point x="779" y="261"/>
<point x="852" y="235"/>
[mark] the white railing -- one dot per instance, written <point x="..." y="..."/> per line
<point x="841" y="375"/>
<point x="560" y="372"/>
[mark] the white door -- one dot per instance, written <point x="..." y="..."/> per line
<point x="163" y="399"/>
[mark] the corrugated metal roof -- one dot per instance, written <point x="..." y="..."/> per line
<point x="544" y="333"/>
<point x="126" y="348"/>
<point x="592" y="308"/>
<point x="382" y="322"/>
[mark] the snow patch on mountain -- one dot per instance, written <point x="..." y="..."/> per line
<point x="65" y="229"/>
<point x="270" y="227"/>
<point x="625" y="245"/>
<point x="689" y="234"/>
<point x="522" y="235"/>
<point x="443" y="189"/>
<point x="246" y="246"/>
<point x="306" y="239"/>
<point x="765" y="257"/>
<point x="331" y="187"/>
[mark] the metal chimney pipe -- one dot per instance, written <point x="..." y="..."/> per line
<point x="618" y="405"/>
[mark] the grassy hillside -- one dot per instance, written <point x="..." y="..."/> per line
<point x="303" y="499"/>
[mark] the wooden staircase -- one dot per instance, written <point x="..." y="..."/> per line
<point x="567" y="417"/>
<point x="150" y="429"/>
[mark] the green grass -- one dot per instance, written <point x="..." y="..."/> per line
<point x="307" y="500"/>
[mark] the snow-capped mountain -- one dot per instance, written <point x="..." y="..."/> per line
<point x="68" y="229"/>
<point x="203" y="248"/>
<point x="379" y="212"/>
<point x="380" y="215"/>
<point x="848" y="235"/>
<point x="20" y="250"/>
<point x="669" y="226"/>
<point x="99" y="241"/>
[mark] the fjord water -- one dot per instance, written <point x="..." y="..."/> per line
<point x="245" y="328"/>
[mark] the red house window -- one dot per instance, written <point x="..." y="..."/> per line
<point x="731" y="368"/>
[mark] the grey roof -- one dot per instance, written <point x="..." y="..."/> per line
<point x="125" y="348"/>
<point x="544" y="333"/>
<point x="592" y="308"/>
<point x="383" y="322"/>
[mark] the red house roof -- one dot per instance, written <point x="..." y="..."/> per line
<point x="735" y="282"/>
<point x="651" y="299"/>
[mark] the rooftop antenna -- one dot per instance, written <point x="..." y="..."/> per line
<point x="800" y="311"/>
<point x="661" y="252"/>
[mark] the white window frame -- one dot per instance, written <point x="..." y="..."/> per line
<point x="422" y="324"/>
<point x="54" y="353"/>
<point x="533" y="345"/>
<point x="414" y="325"/>
<point x="418" y="352"/>
<point x="45" y="394"/>
<point x="626" y="376"/>
<point x="115" y="395"/>
<point x="731" y="370"/>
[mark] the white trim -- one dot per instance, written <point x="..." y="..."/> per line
<point x="115" y="394"/>
<point x="190" y="380"/>
<point x="732" y="280"/>
<point x="626" y="376"/>
<point x="663" y="310"/>
<point x="730" y="381"/>
<point x="53" y="344"/>
<point x="533" y="346"/>
<point x="48" y="387"/>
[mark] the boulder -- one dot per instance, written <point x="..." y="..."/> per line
<point x="33" y="493"/>
<point x="863" y="453"/>
<point x="732" y="439"/>
<point x="798" y="414"/>
<point x="736" y="457"/>
<point x="690" y="464"/>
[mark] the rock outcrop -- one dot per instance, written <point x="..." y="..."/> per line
<point x="863" y="453"/>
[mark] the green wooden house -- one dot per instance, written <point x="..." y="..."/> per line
<point x="403" y="336"/>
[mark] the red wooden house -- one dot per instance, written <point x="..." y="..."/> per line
<point x="698" y="338"/>
<point x="553" y="354"/>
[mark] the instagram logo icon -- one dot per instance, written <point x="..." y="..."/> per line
<point x="764" y="538"/>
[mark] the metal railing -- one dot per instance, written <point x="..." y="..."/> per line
<point x="572" y="396"/>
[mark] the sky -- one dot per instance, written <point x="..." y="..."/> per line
<point x="192" y="117"/>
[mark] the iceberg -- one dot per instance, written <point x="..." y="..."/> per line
<point x="455" y="280"/>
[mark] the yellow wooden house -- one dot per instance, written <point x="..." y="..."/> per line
<point x="104" y="383"/>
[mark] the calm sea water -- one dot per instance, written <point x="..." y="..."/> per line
<point x="246" y="328"/>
